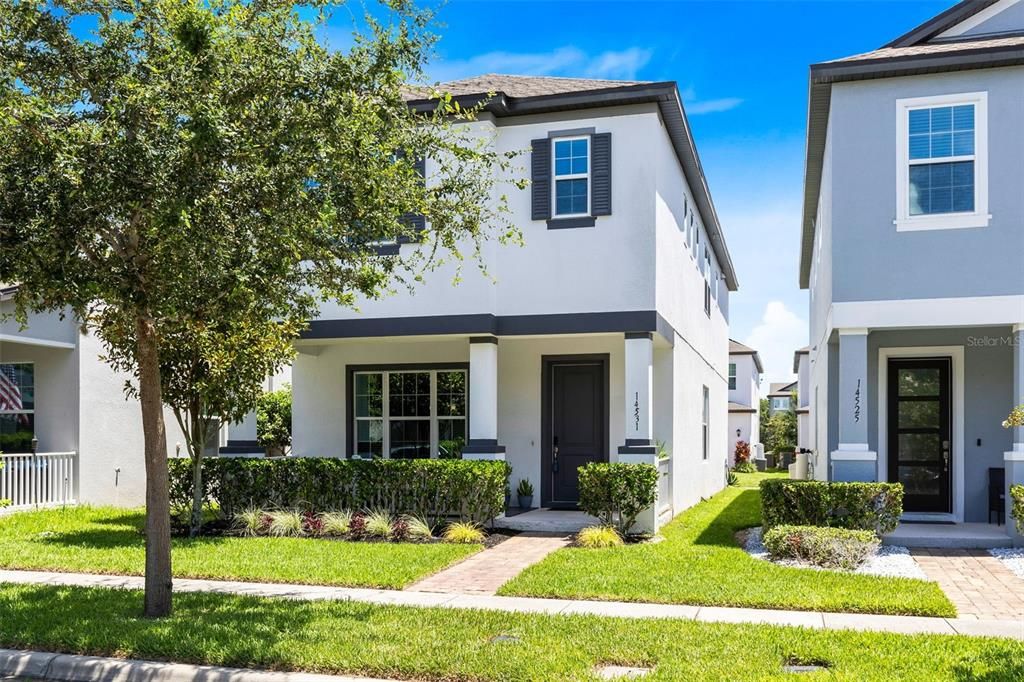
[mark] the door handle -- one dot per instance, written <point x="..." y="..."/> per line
<point x="945" y="455"/>
<point x="554" y="454"/>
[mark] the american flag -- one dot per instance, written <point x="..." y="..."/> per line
<point x="10" y="394"/>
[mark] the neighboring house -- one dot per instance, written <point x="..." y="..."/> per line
<point x="780" y="397"/>
<point x="603" y="336"/>
<point x="55" y="388"/>
<point x="802" y="369"/>
<point x="745" y="371"/>
<point x="913" y="251"/>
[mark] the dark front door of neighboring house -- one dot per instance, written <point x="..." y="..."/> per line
<point x="575" y="429"/>
<point x="920" y="436"/>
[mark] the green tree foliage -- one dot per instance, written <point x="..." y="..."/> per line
<point x="191" y="157"/>
<point x="274" y="419"/>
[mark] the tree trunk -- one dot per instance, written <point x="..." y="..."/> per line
<point x="199" y="429"/>
<point x="158" y="506"/>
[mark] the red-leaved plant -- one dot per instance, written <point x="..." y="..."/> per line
<point x="400" y="529"/>
<point x="742" y="451"/>
<point x="357" y="528"/>
<point x="312" y="524"/>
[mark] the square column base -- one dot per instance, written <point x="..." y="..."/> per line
<point x="483" y="450"/>
<point x="853" y="463"/>
<point x="647" y="521"/>
<point x="1014" y="463"/>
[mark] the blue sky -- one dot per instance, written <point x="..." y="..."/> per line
<point x="742" y="70"/>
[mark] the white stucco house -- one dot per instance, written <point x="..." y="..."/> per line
<point x="913" y="253"/>
<point x="55" y="388"/>
<point x="602" y="337"/>
<point x="745" y="371"/>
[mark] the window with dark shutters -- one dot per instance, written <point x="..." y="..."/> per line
<point x="541" y="179"/>
<point x="601" y="174"/>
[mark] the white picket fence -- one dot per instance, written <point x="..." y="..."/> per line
<point x="42" y="479"/>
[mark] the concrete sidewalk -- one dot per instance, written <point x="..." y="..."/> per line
<point x="42" y="665"/>
<point x="1013" y="629"/>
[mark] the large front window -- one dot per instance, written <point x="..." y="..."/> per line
<point x="416" y="414"/>
<point x="942" y="162"/>
<point x="572" y="176"/>
<point x="17" y="406"/>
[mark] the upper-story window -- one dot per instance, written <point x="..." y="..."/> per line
<point x="732" y="376"/>
<point x="943" y="181"/>
<point x="572" y="176"/>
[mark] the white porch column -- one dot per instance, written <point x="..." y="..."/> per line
<point x="639" y="392"/>
<point x="639" y="447"/>
<point x="1014" y="458"/>
<point x="483" y="400"/>
<point x="854" y="460"/>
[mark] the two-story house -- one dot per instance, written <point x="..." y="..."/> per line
<point x="780" y="396"/>
<point x="745" y="371"/>
<point x="913" y="252"/>
<point x="604" y="337"/>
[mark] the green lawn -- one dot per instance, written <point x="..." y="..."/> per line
<point x="752" y="480"/>
<point x="442" y="644"/>
<point x="109" y="540"/>
<point x="699" y="562"/>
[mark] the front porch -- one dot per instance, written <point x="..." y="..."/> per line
<point x="546" y="404"/>
<point x="924" y="407"/>
<point x="949" y="536"/>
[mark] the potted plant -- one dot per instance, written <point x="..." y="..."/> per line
<point x="525" y="492"/>
<point x="508" y="496"/>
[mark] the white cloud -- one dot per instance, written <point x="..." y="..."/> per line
<point x="563" y="61"/>
<point x="696" y="107"/>
<point x="776" y="337"/>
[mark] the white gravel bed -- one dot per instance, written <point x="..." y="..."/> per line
<point x="1012" y="558"/>
<point x="890" y="560"/>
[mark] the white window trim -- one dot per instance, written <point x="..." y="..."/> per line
<point x="705" y="423"/>
<point x="386" y="417"/>
<point x="733" y="382"/>
<point x="980" y="217"/>
<point x="572" y="176"/>
<point x="33" y="410"/>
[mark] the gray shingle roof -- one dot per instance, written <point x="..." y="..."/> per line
<point x="737" y="348"/>
<point x="523" y="86"/>
<point x="933" y="49"/>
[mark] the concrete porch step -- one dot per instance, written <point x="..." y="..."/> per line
<point x="949" y="536"/>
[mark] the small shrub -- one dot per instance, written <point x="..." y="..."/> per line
<point x="825" y="547"/>
<point x="857" y="506"/>
<point x="617" y="493"/>
<point x="747" y="467"/>
<point x="525" y="488"/>
<point x="732" y="478"/>
<point x="742" y="452"/>
<point x="1015" y="419"/>
<point x="1017" y="505"/>
<point x="464" y="533"/>
<point x="336" y="523"/>
<point x="312" y="524"/>
<point x="357" y="527"/>
<point x="598" y="537"/>
<point x="378" y="523"/>
<point x="252" y="522"/>
<point x="418" y="528"/>
<point x="400" y="529"/>
<point x="285" y="524"/>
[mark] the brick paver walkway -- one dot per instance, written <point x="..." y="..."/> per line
<point x="975" y="581"/>
<point x="486" y="571"/>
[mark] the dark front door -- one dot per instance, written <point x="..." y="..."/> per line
<point x="576" y="426"/>
<point x="919" y="439"/>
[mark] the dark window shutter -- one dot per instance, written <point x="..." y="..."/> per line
<point x="416" y="220"/>
<point x="601" y="174"/>
<point x="541" y="179"/>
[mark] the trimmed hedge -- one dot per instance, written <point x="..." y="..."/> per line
<point x="616" y="492"/>
<point x="1017" y="505"/>
<point x="825" y="547"/>
<point x="435" y="489"/>
<point x="857" y="506"/>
